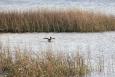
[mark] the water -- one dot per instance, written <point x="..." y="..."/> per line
<point x="105" y="6"/>
<point x="99" y="45"/>
<point x="104" y="41"/>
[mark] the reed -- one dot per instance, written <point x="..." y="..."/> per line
<point x="55" y="21"/>
<point x="47" y="64"/>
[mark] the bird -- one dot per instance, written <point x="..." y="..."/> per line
<point x="49" y="39"/>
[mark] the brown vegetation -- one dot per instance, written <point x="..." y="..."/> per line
<point x="55" y="21"/>
<point x="47" y="64"/>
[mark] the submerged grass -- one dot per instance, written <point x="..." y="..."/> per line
<point x="55" y="21"/>
<point x="47" y="64"/>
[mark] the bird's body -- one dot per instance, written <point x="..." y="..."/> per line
<point x="49" y="39"/>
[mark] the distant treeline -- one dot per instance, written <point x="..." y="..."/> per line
<point x="55" y="21"/>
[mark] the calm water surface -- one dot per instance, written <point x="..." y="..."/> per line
<point x="105" y="6"/>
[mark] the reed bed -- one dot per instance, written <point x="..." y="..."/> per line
<point x="55" y="21"/>
<point x="47" y="64"/>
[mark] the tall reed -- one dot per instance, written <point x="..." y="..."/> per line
<point x="55" y="21"/>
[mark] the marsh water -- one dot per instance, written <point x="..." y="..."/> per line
<point x="104" y="6"/>
<point x="104" y="41"/>
<point x="97" y="45"/>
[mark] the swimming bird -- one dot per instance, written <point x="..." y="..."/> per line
<point x="49" y="39"/>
